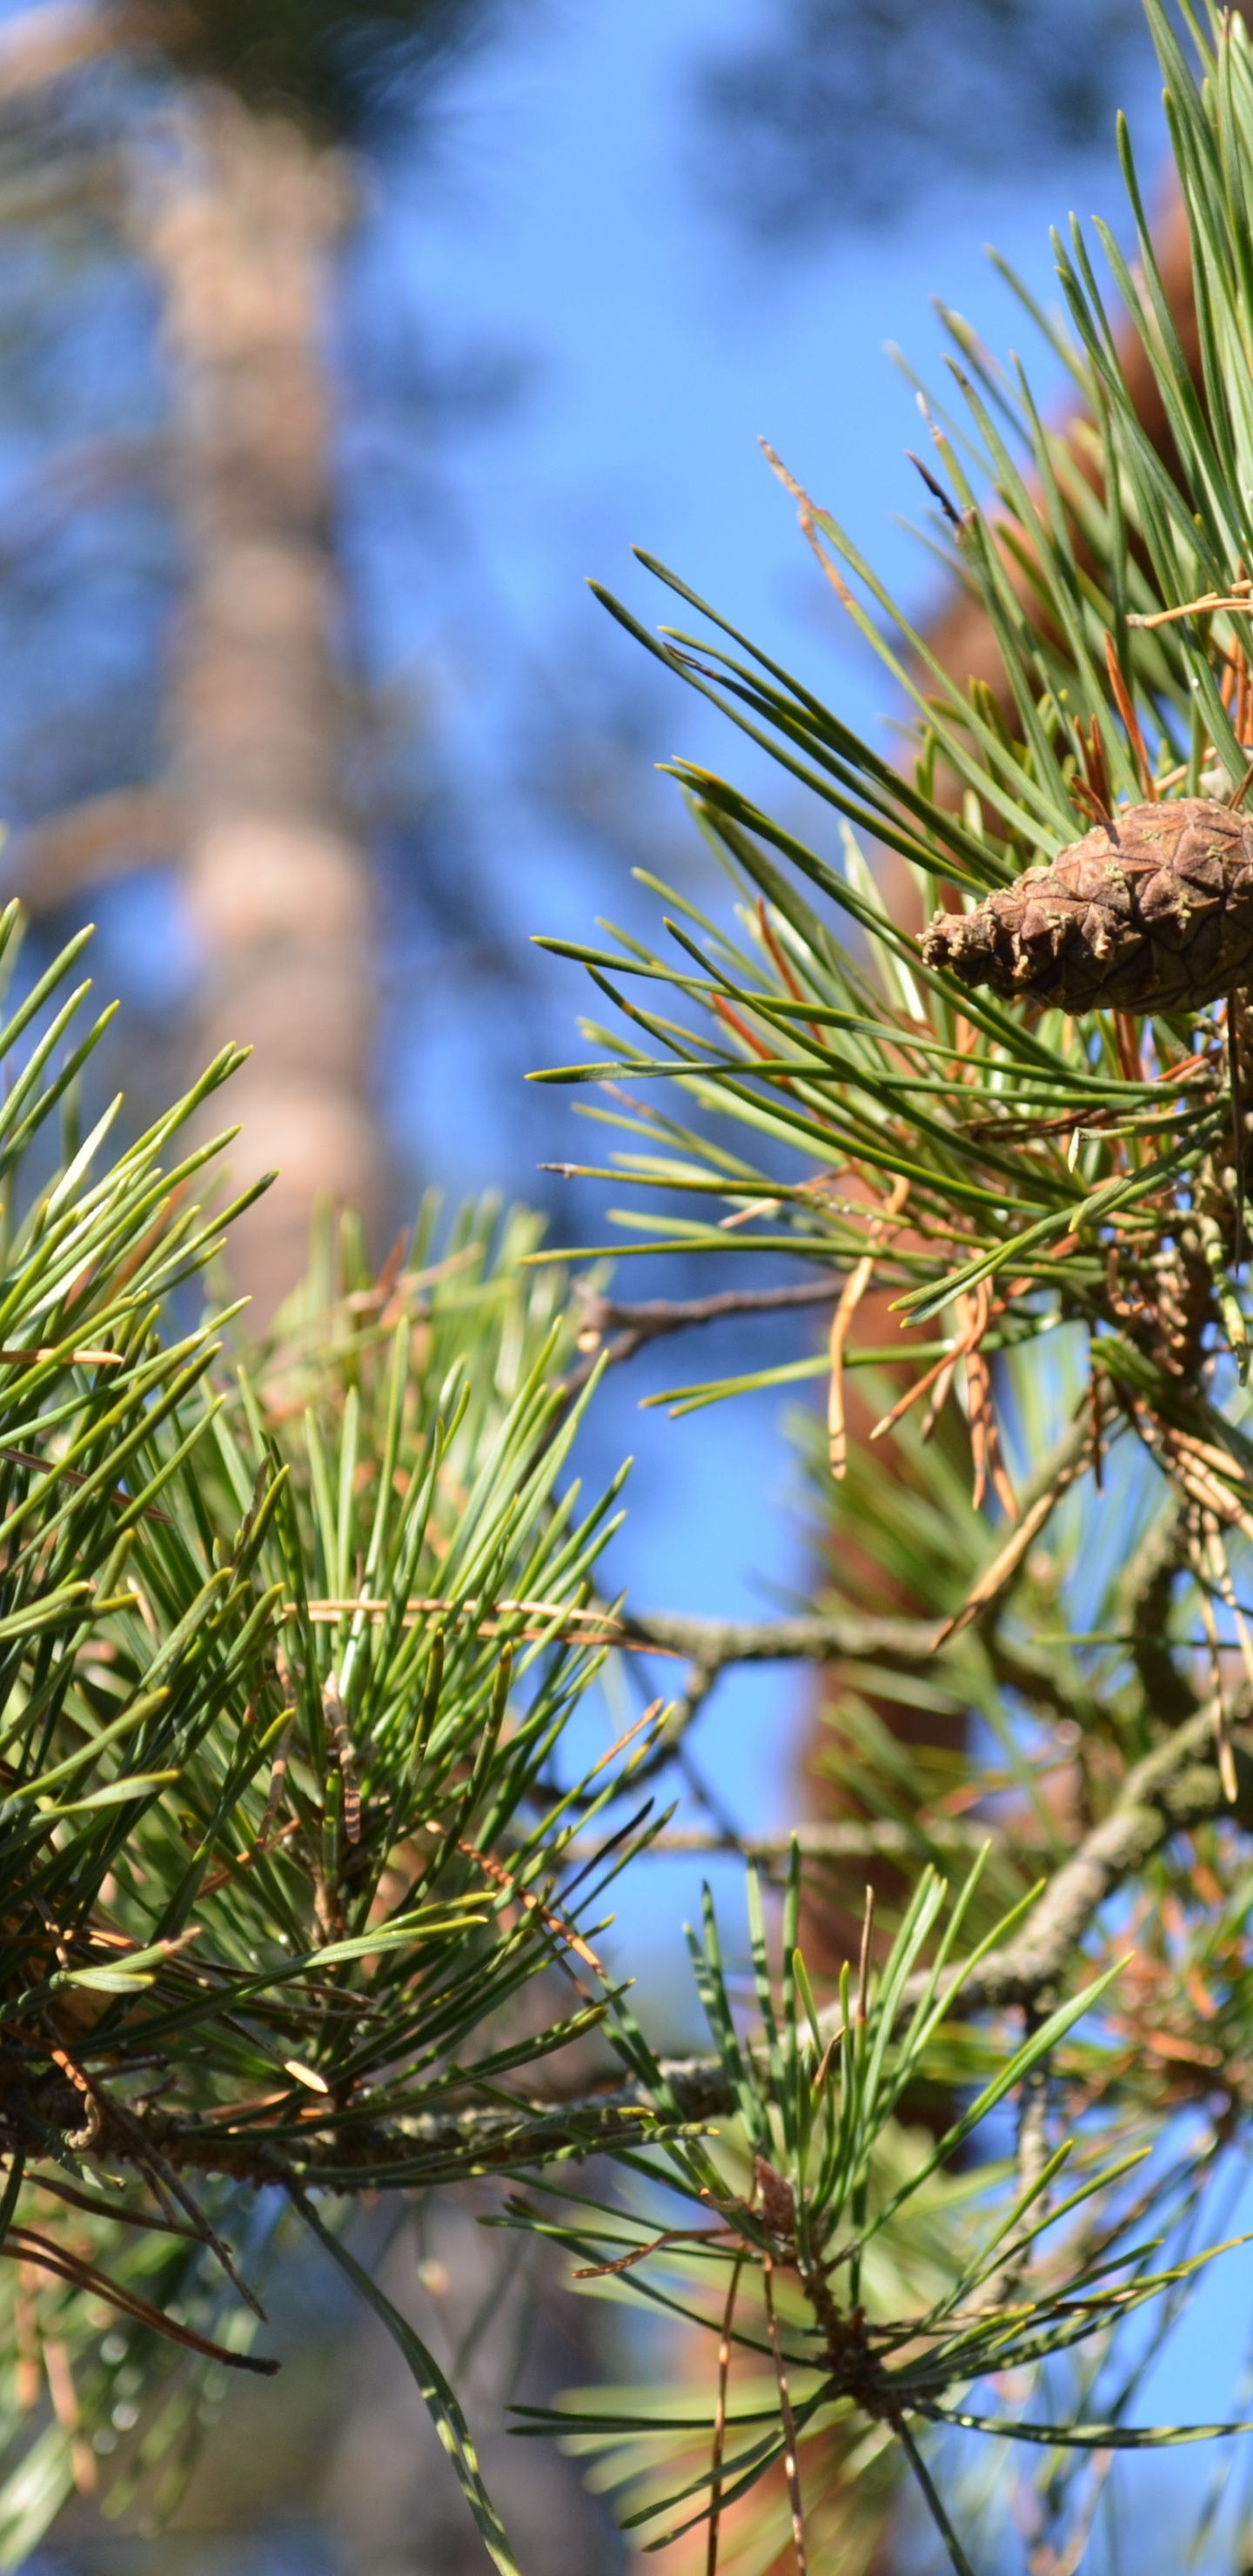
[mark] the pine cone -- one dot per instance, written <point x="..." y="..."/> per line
<point x="1152" y="912"/>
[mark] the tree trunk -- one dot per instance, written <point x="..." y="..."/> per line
<point x="237" y="215"/>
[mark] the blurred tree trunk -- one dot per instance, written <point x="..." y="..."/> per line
<point x="237" y="214"/>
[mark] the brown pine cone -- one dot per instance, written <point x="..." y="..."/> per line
<point x="1152" y="912"/>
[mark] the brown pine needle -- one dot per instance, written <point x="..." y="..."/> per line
<point x="756" y="1045"/>
<point x="1092" y="791"/>
<point x="24" y="2244"/>
<point x="855" y="1287"/>
<point x="1221" y="1566"/>
<point x="854" y="1290"/>
<point x="639" y="2253"/>
<point x="1008" y="1558"/>
<point x="1196" y="1466"/>
<point x="1238" y="794"/>
<point x="940" y="1373"/>
<point x="943" y="1388"/>
<point x="168" y="2183"/>
<point x="808" y="516"/>
<point x="940" y="1369"/>
<point x="863" y="1971"/>
<point x="548" y="1914"/>
<point x="652" y="1712"/>
<point x="1214" y="601"/>
<point x="981" y="1411"/>
<point x="1127" y="1046"/>
<point x="591" y="1627"/>
<point x="1130" y="719"/>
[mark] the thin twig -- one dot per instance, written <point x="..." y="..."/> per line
<point x="878" y="1838"/>
<point x="720" y="2421"/>
<point x="632" y="1326"/>
<point x="790" y="2468"/>
<point x="712" y="1643"/>
<point x="166" y="2176"/>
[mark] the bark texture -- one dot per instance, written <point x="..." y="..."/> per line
<point x="237" y="215"/>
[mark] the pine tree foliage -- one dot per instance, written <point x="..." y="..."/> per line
<point x="821" y="114"/>
<point x="290" y="1643"/>
<point x="303" y="1890"/>
<point x="1031" y="1148"/>
<point x="1027" y="1168"/>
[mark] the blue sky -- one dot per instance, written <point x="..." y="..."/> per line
<point x="562" y="221"/>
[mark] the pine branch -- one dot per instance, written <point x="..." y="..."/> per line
<point x="828" y="1638"/>
<point x="632" y="1326"/>
<point x="1174" y="1790"/>
<point x="875" y="1838"/>
<point x="417" y="2152"/>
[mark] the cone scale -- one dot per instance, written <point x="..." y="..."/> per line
<point x="1152" y="911"/>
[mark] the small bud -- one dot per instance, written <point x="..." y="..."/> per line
<point x="777" y="2205"/>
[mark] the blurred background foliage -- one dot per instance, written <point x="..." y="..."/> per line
<point x="340" y="71"/>
<point x="833" y="113"/>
